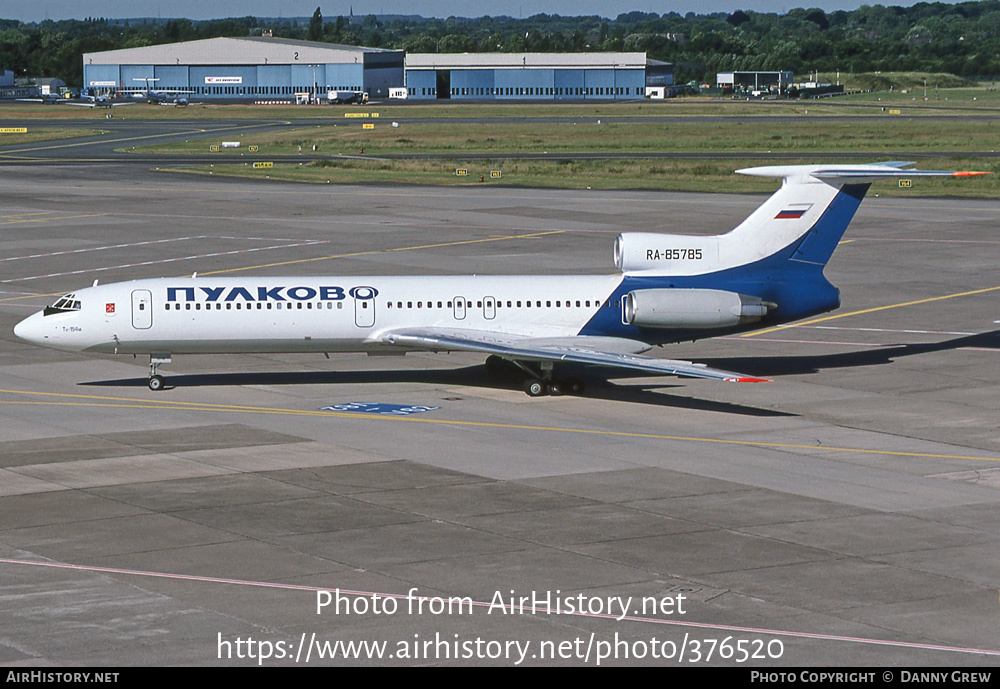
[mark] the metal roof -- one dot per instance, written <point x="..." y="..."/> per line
<point x="525" y="60"/>
<point x="251" y="50"/>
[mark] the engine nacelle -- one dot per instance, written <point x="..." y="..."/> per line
<point x="692" y="308"/>
<point x="637" y="251"/>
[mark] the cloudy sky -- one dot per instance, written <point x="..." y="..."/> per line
<point x="208" y="9"/>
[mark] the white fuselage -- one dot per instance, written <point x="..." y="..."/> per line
<point x="314" y="314"/>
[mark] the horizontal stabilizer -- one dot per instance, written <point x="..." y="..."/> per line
<point x="854" y="174"/>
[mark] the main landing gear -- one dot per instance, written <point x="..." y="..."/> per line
<point x="540" y="380"/>
<point x="156" y="382"/>
<point x="536" y="387"/>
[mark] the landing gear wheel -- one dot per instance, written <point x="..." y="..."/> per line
<point x="555" y="388"/>
<point x="575" y="386"/>
<point x="534" y="388"/>
<point x="155" y="383"/>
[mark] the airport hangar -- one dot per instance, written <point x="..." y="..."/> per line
<point x="243" y="69"/>
<point x="262" y="68"/>
<point x="534" y="76"/>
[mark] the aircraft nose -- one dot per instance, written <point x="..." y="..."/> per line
<point x="30" y="329"/>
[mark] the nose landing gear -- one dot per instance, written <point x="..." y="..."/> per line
<point x="156" y="382"/>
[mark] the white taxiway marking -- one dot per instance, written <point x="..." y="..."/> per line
<point x="484" y="604"/>
<point x="168" y="260"/>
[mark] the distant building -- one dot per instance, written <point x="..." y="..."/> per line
<point x="49" y="86"/>
<point x="754" y="83"/>
<point x="10" y="89"/>
<point x="531" y="76"/>
<point x="244" y="69"/>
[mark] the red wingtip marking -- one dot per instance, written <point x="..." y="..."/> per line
<point x="748" y="379"/>
<point x="969" y="174"/>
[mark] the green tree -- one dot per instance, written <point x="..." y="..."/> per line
<point x="315" y="30"/>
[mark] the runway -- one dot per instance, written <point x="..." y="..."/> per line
<point x="845" y="514"/>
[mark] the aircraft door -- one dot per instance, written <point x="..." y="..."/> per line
<point x="364" y="306"/>
<point x="142" y="309"/>
<point x="489" y="308"/>
<point x="459" y="308"/>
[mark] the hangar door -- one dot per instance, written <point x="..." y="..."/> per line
<point x="443" y="84"/>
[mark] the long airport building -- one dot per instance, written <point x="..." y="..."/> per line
<point x="249" y="69"/>
<point x="264" y="68"/>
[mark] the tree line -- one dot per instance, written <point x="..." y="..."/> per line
<point x="962" y="39"/>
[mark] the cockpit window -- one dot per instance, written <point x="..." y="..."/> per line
<point x="63" y="304"/>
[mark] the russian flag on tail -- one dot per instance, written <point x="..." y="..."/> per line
<point x="793" y="211"/>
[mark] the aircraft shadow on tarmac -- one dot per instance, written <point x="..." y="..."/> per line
<point x="471" y="376"/>
<point x="597" y="388"/>
<point x="875" y="356"/>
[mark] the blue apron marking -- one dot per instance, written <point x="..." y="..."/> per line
<point x="379" y="408"/>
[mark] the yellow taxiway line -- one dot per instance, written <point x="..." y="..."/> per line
<point x="872" y="310"/>
<point x="140" y="403"/>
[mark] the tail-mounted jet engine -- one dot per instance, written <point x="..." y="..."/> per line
<point x="692" y="308"/>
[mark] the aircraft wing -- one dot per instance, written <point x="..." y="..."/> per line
<point x="614" y="352"/>
<point x="95" y="104"/>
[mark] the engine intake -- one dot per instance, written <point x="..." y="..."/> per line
<point x="692" y="308"/>
<point x="687" y="254"/>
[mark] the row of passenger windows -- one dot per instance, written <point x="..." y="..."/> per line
<point x="499" y="303"/>
<point x="260" y="305"/>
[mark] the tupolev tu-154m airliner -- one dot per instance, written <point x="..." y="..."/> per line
<point x="671" y="287"/>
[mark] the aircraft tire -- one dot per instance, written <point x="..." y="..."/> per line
<point x="534" y="388"/>
<point x="155" y="383"/>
